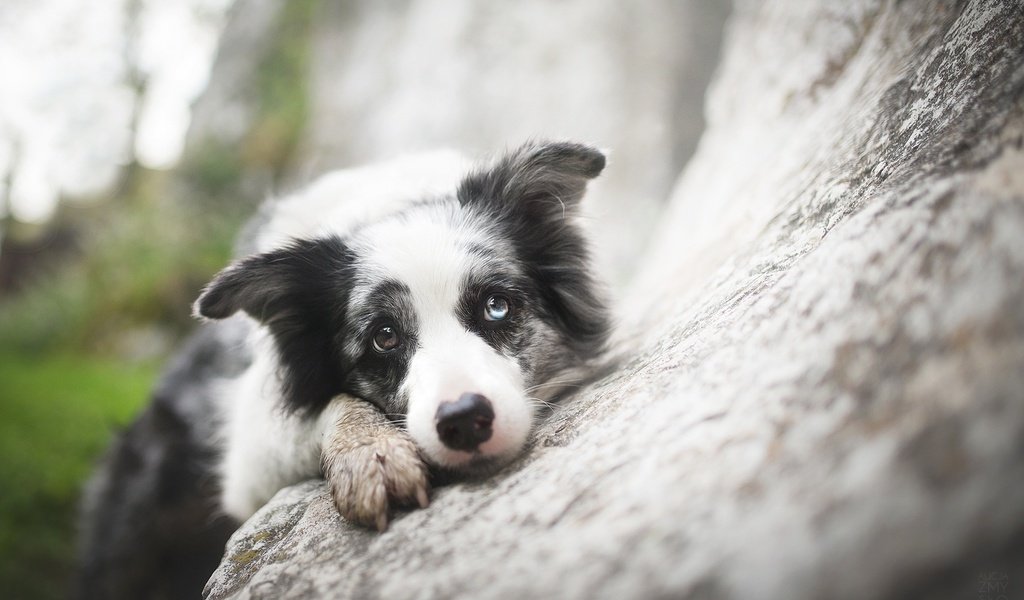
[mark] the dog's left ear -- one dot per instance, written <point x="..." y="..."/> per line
<point x="537" y="180"/>
<point x="272" y="285"/>
<point x="533" y="191"/>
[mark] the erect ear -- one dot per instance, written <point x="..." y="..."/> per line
<point x="299" y="293"/>
<point x="269" y="284"/>
<point x="538" y="178"/>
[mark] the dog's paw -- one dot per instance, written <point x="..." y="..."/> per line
<point x="370" y="478"/>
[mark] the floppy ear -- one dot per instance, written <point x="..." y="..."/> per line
<point x="538" y="179"/>
<point x="269" y="284"/>
<point x="532" y="192"/>
<point x="299" y="293"/>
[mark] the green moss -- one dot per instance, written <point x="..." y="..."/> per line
<point x="244" y="557"/>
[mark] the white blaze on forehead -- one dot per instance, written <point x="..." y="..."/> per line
<point x="425" y="249"/>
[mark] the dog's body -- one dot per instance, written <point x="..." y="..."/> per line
<point x="389" y="322"/>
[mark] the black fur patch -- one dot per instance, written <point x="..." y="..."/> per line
<point x="534" y="192"/>
<point x="505" y="336"/>
<point x="372" y="375"/>
<point x="299" y="292"/>
<point x="150" y="526"/>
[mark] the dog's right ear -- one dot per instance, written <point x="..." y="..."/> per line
<point x="539" y="181"/>
<point x="298" y="293"/>
<point x="271" y="285"/>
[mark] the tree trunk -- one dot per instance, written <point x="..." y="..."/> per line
<point x="821" y="381"/>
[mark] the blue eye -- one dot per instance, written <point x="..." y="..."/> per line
<point x="497" y="308"/>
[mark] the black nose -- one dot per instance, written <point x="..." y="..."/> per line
<point x="465" y="423"/>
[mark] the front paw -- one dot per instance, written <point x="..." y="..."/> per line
<point x="368" y="477"/>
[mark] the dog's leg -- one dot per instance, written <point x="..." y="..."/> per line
<point x="369" y="463"/>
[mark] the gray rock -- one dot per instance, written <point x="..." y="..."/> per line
<point x="820" y="388"/>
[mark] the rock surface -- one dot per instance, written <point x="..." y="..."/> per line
<point x="820" y="390"/>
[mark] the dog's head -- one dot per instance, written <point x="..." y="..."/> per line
<point x="452" y="315"/>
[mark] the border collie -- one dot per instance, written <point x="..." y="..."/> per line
<point x="389" y="323"/>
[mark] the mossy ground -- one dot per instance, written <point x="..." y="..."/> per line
<point x="56" y="415"/>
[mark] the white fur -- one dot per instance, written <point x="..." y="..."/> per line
<point x="265" y="448"/>
<point x="338" y="201"/>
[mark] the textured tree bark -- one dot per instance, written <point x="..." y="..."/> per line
<point x="821" y="386"/>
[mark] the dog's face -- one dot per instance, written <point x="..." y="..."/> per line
<point x="450" y="316"/>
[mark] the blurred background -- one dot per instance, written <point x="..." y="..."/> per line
<point x="136" y="137"/>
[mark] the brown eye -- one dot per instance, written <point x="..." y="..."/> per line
<point x="497" y="308"/>
<point x="386" y="339"/>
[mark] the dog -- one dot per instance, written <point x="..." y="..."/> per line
<point x="388" y="325"/>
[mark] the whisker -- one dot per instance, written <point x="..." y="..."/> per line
<point x="539" y="402"/>
<point x="398" y="418"/>
<point x="565" y="382"/>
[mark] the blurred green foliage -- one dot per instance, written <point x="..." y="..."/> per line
<point x="275" y="135"/>
<point x="79" y="351"/>
<point x="145" y="258"/>
<point x="56" y="415"/>
<point x="81" y="347"/>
